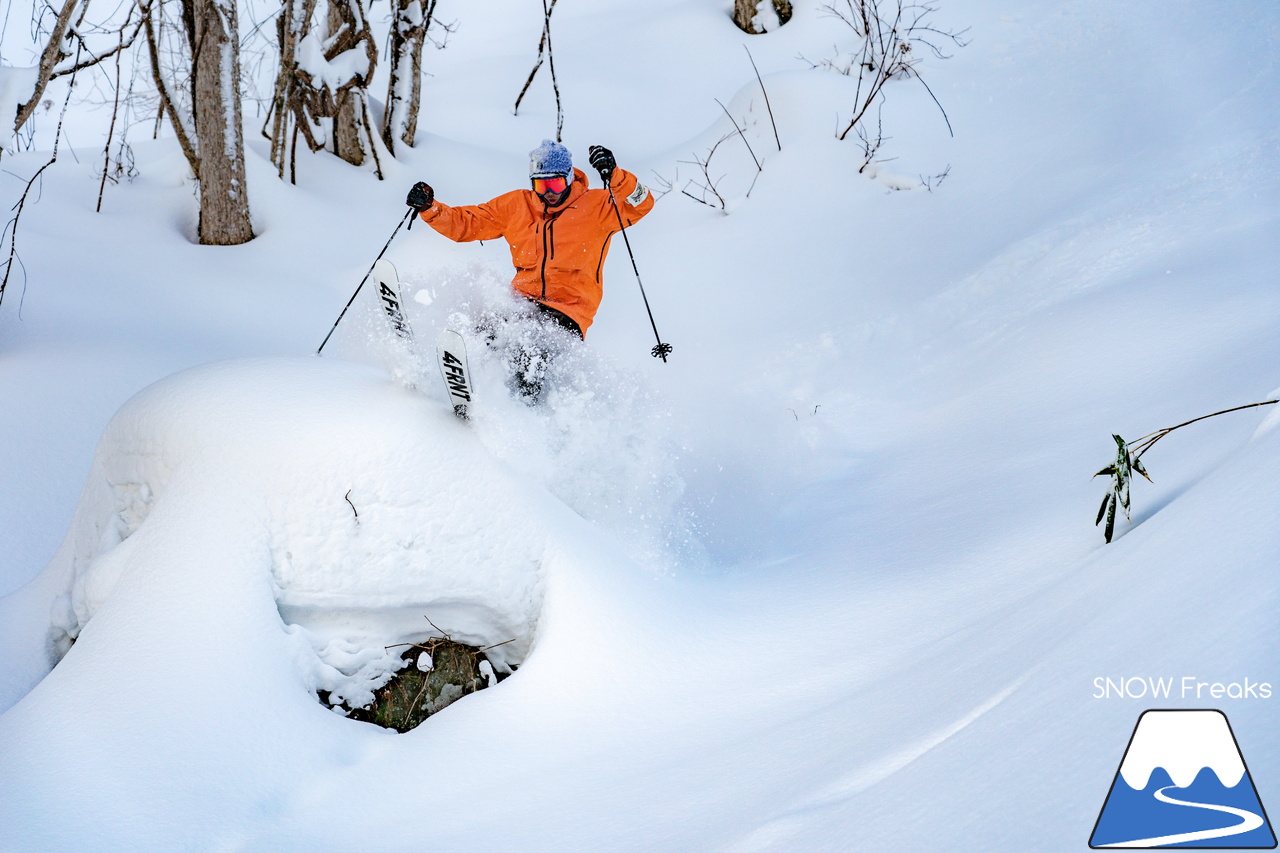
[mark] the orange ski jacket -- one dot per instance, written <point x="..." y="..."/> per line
<point x="558" y="252"/>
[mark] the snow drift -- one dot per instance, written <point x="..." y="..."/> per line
<point x="319" y="489"/>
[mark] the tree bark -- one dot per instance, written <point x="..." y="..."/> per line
<point x="744" y="13"/>
<point x="404" y="90"/>
<point x="345" y="18"/>
<point x="224" y="199"/>
<point x="326" y="112"/>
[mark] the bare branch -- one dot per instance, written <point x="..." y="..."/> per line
<point x="54" y="52"/>
<point x="125" y="44"/>
<point x="709" y="185"/>
<point x="759" y="168"/>
<point x="542" y="47"/>
<point x="179" y="123"/>
<point x="544" y="50"/>
<point x="551" y="64"/>
<point x="889" y="34"/>
<point x="1145" y="443"/>
<point x="767" y="106"/>
<point x="12" y="228"/>
<point x="115" y="111"/>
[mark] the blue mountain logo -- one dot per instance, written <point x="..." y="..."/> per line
<point x="1183" y="783"/>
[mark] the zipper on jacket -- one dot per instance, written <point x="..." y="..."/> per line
<point x="604" y="247"/>
<point x="546" y="231"/>
<point x="548" y="249"/>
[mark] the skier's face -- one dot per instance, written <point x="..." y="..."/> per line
<point x="552" y="191"/>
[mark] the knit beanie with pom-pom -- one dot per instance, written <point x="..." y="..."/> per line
<point x="549" y="160"/>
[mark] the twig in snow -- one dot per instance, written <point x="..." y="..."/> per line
<point x="890" y="33"/>
<point x="766" y="96"/>
<point x="710" y="184"/>
<point x="443" y="633"/>
<point x="115" y="111"/>
<point x="759" y="168"/>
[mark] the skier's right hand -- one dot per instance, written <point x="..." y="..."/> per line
<point x="421" y="196"/>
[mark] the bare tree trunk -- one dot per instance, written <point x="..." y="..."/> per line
<point x="224" y="200"/>
<point x="325" y="112"/>
<point x="347" y="142"/>
<point x="409" y="27"/>
<point x="346" y="26"/>
<point x="744" y="13"/>
<point x="291" y="26"/>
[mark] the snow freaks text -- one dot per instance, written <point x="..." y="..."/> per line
<point x="1184" y="687"/>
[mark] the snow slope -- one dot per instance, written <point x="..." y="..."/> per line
<point x="825" y="581"/>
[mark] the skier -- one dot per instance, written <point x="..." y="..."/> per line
<point x="559" y="234"/>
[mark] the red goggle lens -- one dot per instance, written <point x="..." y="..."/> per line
<point x="557" y="184"/>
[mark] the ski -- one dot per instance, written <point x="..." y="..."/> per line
<point x="451" y="353"/>
<point x="388" y="281"/>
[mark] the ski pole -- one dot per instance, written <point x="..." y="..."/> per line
<point x="412" y="212"/>
<point x="661" y="350"/>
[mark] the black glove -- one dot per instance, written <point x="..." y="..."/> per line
<point x="421" y="196"/>
<point x="602" y="159"/>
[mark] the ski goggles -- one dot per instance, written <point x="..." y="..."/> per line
<point x="556" y="184"/>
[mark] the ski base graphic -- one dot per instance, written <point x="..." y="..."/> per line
<point x="388" y="281"/>
<point x="451" y="353"/>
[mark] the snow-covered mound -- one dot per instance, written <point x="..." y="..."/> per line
<point x="360" y="511"/>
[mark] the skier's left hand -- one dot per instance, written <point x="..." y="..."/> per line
<point x="602" y="159"/>
<point x="421" y="196"/>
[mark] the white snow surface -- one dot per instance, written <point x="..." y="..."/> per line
<point x="824" y="581"/>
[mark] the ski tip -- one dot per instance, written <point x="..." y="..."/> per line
<point x="450" y="338"/>
<point x="385" y="270"/>
<point x="460" y="409"/>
